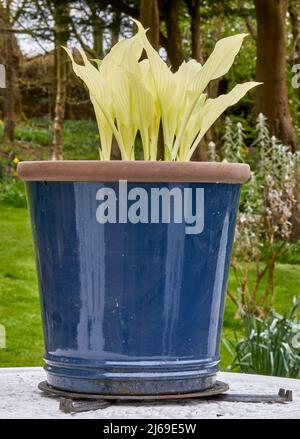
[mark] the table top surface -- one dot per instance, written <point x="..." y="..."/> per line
<point x="20" y="398"/>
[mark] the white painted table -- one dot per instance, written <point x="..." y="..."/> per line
<point x="20" y="398"/>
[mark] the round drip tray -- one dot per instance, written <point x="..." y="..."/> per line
<point x="218" y="388"/>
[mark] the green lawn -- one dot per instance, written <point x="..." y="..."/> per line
<point x="19" y="304"/>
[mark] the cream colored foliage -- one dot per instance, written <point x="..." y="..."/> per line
<point x="131" y="95"/>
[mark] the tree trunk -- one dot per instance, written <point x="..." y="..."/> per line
<point x="174" y="46"/>
<point x="194" y="12"/>
<point x="149" y="17"/>
<point x="61" y="20"/>
<point x="115" y="28"/>
<point x="271" y="98"/>
<point x="114" y="33"/>
<point x="200" y="154"/>
<point x="9" y="91"/>
<point x="294" y="12"/>
<point x="98" y="37"/>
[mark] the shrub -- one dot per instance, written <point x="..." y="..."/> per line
<point x="269" y="346"/>
<point x="12" y="192"/>
<point x="35" y="135"/>
<point x="264" y="221"/>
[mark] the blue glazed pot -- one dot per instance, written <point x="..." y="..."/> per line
<point x="131" y="307"/>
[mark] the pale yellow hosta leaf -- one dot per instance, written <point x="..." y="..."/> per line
<point x="182" y="95"/>
<point x="144" y="67"/>
<point x="121" y="96"/>
<point x="123" y="58"/>
<point x="193" y="125"/>
<point x="90" y="76"/>
<point x="100" y="94"/>
<point x="109" y="92"/>
<point x="143" y="110"/>
<point x="131" y="95"/>
<point x="154" y="133"/>
<point x="162" y="75"/>
<point x="147" y="80"/>
<point x="152" y="117"/>
<point x="123" y="100"/>
<point x="213" y="108"/>
<point x="122" y="54"/>
<point x="165" y="85"/>
<point x="132" y="55"/>
<point x="105" y="132"/>
<point x="218" y="63"/>
<point x="187" y="71"/>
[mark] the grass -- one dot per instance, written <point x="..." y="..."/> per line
<point x="33" y="140"/>
<point x="19" y="303"/>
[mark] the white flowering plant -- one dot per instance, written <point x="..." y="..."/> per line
<point x="134" y="94"/>
<point x="264" y="227"/>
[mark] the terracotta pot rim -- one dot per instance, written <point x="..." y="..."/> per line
<point x="135" y="171"/>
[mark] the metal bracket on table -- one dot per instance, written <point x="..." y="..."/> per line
<point x="283" y="396"/>
<point x="68" y="405"/>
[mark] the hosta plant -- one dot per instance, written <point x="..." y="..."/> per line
<point x="135" y="95"/>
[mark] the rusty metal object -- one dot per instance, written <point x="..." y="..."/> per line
<point x="218" y="388"/>
<point x="72" y="402"/>
<point x="69" y="405"/>
<point x="282" y="397"/>
<point x="286" y="394"/>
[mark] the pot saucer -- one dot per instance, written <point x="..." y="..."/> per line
<point x="218" y="388"/>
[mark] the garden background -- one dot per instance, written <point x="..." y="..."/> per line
<point x="45" y="113"/>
